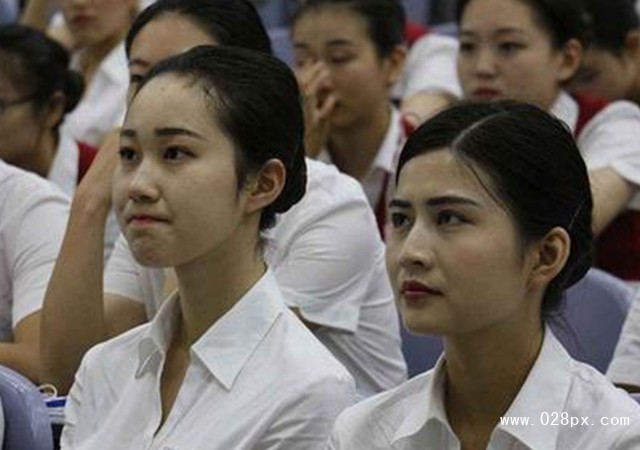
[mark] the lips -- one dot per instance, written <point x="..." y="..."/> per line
<point x="81" y="19"/>
<point x="144" y="219"/>
<point x="485" y="93"/>
<point x="414" y="290"/>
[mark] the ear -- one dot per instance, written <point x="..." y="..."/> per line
<point x="394" y="64"/>
<point x="53" y="111"/>
<point x="550" y="255"/>
<point x="632" y="42"/>
<point x="265" y="187"/>
<point x="570" y="60"/>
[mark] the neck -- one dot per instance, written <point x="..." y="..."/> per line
<point x="353" y="149"/>
<point x="92" y="56"/>
<point x="41" y="160"/>
<point x="484" y="373"/>
<point x="211" y="285"/>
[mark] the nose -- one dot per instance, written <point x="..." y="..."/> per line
<point x="416" y="251"/>
<point x="143" y="186"/>
<point x="484" y="64"/>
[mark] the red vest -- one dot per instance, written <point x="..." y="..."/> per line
<point x="617" y="248"/>
<point x="87" y="154"/>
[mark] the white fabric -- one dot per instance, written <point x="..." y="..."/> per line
<point x="413" y="416"/>
<point x="431" y="67"/>
<point x="257" y="379"/>
<point x="610" y="139"/>
<point x="64" y="170"/>
<point x="329" y="261"/>
<point x="625" y="364"/>
<point x="104" y="102"/>
<point x="384" y="163"/>
<point x="33" y="218"/>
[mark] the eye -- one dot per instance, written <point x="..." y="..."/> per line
<point x="175" y="153"/>
<point x="447" y="217"/>
<point x="509" y="48"/>
<point x="467" y="47"/>
<point x="135" y="78"/>
<point x="399" y="220"/>
<point x="339" y="59"/>
<point x="127" y="154"/>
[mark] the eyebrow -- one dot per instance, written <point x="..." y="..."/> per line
<point x="332" y="43"/>
<point x="163" y="132"/>
<point x="436" y="201"/>
<point x="498" y="32"/>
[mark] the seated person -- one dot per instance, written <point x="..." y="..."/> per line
<point x="35" y="69"/>
<point x="33" y="216"/>
<point x="491" y="222"/>
<point x="325" y="252"/>
<point x="529" y="52"/>
<point x="224" y="364"/>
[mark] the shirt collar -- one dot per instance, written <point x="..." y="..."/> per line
<point x="228" y="344"/>
<point x="426" y="407"/>
<point x="389" y="150"/>
<point x="551" y="374"/>
<point x="113" y="68"/>
<point x="565" y="108"/>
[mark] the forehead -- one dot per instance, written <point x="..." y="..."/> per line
<point x="166" y="36"/>
<point x="330" y="24"/>
<point x="492" y="15"/>
<point x="170" y="101"/>
<point x="440" y="173"/>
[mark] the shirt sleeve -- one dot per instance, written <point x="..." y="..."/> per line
<point x="37" y="218"/>
<point x="625" y="365"/>
<point x="612" y="139"/>
<point x="326" y="258"/>
<point x="431" y="66"/>
<point x="122" y="274"/>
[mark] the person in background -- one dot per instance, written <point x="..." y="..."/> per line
<point x="33" y="216"/>
<point x="35" y="70"/>
<point x="349" y="54"/>
<point x="529" y="52"/>
<point x="491" y="222"/>
<point x="325" y="252"/>
<point x="224" y="364"/>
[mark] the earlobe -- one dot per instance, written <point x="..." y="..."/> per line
<point x="552" y="253"/>
<point x="266" y="186"/>
<point x="571" y="56"/>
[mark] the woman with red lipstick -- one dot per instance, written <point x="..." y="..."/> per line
<point x="224" y="364"/>
<point x="529" y="52"/>
<point x="349" y="54"/>
<point x="491" y="223"/>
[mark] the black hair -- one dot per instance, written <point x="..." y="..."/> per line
<point x="611" y="21"/>
<point x="257" y="104"/>
<point x="535" y="168"/>
<point x="562" y="19"/>
<point x="38" y="66"/>
<point x="229" y="22"/>
<point x="385" y="19"/>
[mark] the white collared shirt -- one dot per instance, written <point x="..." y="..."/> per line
<point x="104" y="102"/>
<point x="64" y="169"/>
<point x="328" y="258"/>
<point x="33" y="218"/>
<point x="610" y="139"/>
<point x="257" y="378"/>
<point x="413" y="416"/>
<point x="431" y="67"/>
<point x="384" y="165"/>
<point x="625" y="363"/>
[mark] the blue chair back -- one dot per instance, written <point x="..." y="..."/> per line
<point x="420" y="351"/>
<point x="27" y="424"/>
<point x="281" y="44"/>
<point x="594" y="311"/>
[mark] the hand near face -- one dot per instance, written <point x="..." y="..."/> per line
<point x="319" y="101"/>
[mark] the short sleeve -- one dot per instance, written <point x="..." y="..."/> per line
<point x="625" y="364"/>
<point x="37" y="215"/>
<point x="315" y="260"/>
